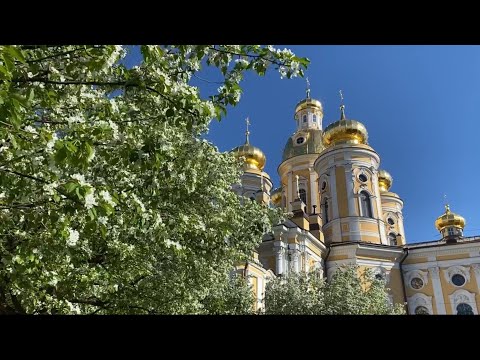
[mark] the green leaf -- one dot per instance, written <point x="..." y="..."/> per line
<point x="61" y="155"/>
<point x="71" y="186"/>
<point x="21" y="99"/>
<point x="92" y="213"/>
<point x="16" y="53"/>
<point x="170" y="112"/>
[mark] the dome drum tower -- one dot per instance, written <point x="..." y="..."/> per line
<point x="350" y="196"/>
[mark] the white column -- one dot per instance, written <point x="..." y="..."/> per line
<point x="313" y="190"/>
<point x="350" y="194"/>
<point x="279" y="247"/>
<point x="333" y="192"/>
<point x="381" y="228"/>
<point x="437" y="290"/>
<point x="401" y="228"/>
<point x="289" y="190"/>
<point x="476" y="270"/>
<point x="294" y="253"/>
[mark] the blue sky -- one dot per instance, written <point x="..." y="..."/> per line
<point x="421" y="107"/>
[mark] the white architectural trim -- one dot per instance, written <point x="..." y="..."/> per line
<point x="410" y="275"/>
<point x="452" y="270"/>
<point x="313" y="188"/>
<point x="417" y="300"/>
<point x="476" y="270"/>
<point x="290" y="191"/>
<point x="441" y="263"/>
<point x="437" y="290"/>
<point x="333" y="193"/>
<point x="462" y="296"/>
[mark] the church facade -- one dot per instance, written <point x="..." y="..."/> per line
<point x="343" y="212"/>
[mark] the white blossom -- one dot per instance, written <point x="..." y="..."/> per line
<point x="90" y="200"/>
<point x="51" y="143"/>
<point x="73" y="237"/>
<point x="30" y="129"/>
<point x="105" y="195"/>
<point x="81" y="179"/>
<point x="49" y="188"/>
<point x="114" y="129"/>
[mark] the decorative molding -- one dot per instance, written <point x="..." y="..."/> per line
<point x="410" y="275"/>
<point x="417" y="300"/>
<point x="462" y="296"/>
<point x="456" y="269"/>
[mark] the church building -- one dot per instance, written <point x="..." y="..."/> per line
<point x="343" y="212"/>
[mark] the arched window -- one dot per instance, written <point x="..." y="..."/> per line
<point x="304" y="118"/>
<point x="314" y="118"/>
<point x="464" y="309"/>
<point x="325" y="211"/>
<point x="366" y="204"/>
<point x="303" y="195"/>
<point x="421" y="310"/>
<point x="392" y="239"/>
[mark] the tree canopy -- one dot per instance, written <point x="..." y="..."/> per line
<point x="111" y="200"/>
<point x="349" y="292"/>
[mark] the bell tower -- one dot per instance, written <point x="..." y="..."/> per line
<point x="299" y="155"/>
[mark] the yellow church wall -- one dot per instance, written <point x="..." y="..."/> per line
<point x="416" y="260"/>
<point x="341" y="185"/>
<point x="396" y="287"/>
<point x="315" y="250"/>
<point x="362" y="158"/>
<point x="368" y="226"/>
<point x="452" y="257"/>
<point x="337" y="257"/>
<point x="371" y="239"/>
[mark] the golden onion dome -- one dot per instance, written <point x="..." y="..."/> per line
<point x="276" y="196"/>
<point x="449" y="219"/>
<point x="385" y="180"/>
<point x="345" y="131"/>
<point x="309" y="103"/>
<point x="254" y="157"/>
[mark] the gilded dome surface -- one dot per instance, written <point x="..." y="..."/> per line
<point x="385" y="180"/>
<point x="449" y="219"/>
<point x="276" y="196"/>
<point x="307" y="141"/>
<point x="309" y="103"/>
<point x="254" y="157"/>
<point x="345" y="132"/>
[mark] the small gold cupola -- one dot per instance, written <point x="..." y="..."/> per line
<point x="345" y="131"/>
<point x="385" y="180"/>
<point x="450" y="225"/>
<point x="276" y="197"/>
<point x="255" y="159"/>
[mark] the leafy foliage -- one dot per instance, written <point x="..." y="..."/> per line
<point x="110" y="199"/>
<point x="347" y="293"/>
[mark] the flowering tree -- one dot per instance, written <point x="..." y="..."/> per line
<point x="110" y="201"/>
<point x="347" y="293"/>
